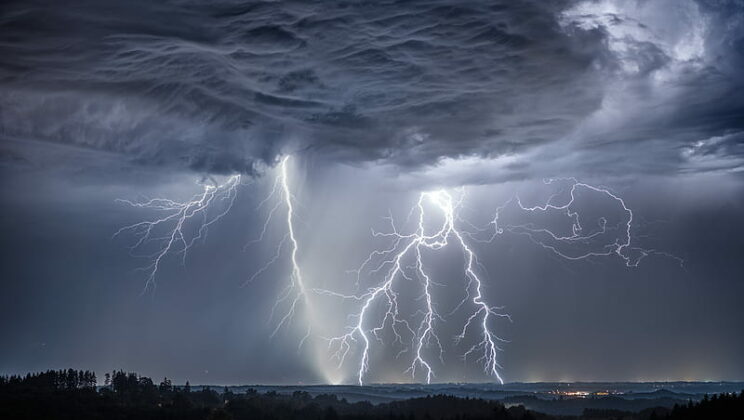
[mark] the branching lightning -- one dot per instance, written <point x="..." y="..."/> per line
<point x="423" y="335"/>
<point x="174" y="233"/>
<point x="294" y="292"/>
<point x="185" y="223"/>
<point x="584" y="243"/>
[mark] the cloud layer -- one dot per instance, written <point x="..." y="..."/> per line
<point x="222" y="87"/>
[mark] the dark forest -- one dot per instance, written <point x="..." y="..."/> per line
<point x="73" y="394"/>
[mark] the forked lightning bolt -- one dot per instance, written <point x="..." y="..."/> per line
<point x="294" y="292"/>
<point x="181" y="226"/>
<point x="391" y="262"/>
<point x="581" y="243"/>
<point x="184" y="223"/>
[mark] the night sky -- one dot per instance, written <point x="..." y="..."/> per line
<point x="375" y="102"/>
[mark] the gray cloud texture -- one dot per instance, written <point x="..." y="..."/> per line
<point x="226" y="86"/>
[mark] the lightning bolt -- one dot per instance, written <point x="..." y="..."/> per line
<point x="185" y="223"/>
<point x="182" y="225"/>
<point x="584" y="243"/>
<point x="294" y="292"/>
<point x="424" y="335"/>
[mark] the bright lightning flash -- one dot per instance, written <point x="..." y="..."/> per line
<point x="294" y="292"/>
<point x="182" y="225"/>
<point x="582" y="243"/>
<point x="186" y="222"/>
<point x="424" y="334"/>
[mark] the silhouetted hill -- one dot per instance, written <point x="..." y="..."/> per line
<point x="70" y="394"/>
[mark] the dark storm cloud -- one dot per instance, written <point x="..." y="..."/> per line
<point x="219" y="86"/>
<point x="675" y="82"/>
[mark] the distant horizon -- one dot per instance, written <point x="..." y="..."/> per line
<point x="403" y="383"/>
<point x="478" y="383"/>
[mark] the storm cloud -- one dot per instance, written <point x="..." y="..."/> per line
<point x="223" y="87"/>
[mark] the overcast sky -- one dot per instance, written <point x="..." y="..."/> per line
<point x="375" y="102"/>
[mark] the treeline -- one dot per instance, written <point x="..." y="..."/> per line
<point x="70" y="394"/>
<point x="719" y="406"/>
<point x="52" y="380"/>
<point x="131" y="396"/>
